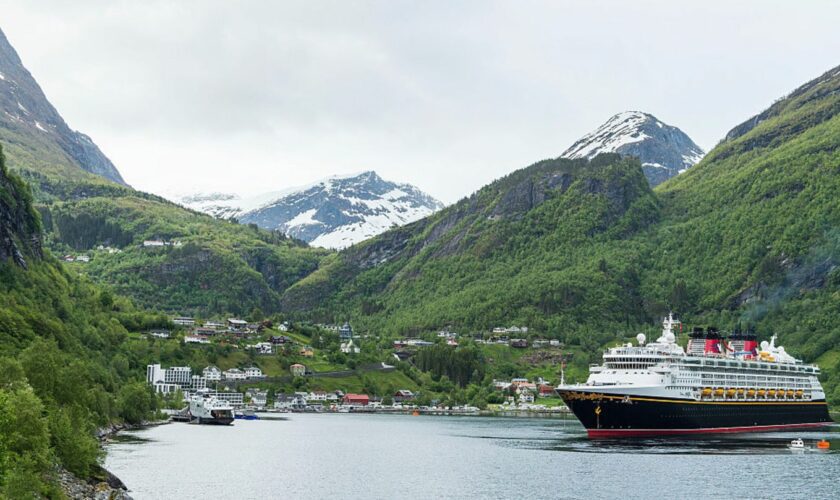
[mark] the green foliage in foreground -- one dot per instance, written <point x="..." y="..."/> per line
<point x="61" y="346"/>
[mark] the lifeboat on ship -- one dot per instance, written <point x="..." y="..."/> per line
<point x="799" y="393"/>
<point x="762" y="393"/>
<point x="730" y="393"/>
<point x="718" y="392"/>
<point x="751" y="392"/>
<point x="706" y="392"/>
<point x="789" y="393"/>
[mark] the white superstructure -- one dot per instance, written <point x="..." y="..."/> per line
<point x="662" y="369"/>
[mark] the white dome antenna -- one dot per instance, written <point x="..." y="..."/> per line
<point x="640" y="338"/>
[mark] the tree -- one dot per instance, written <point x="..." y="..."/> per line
<point x="134" y="402"/>
<point x="72" y="438"/>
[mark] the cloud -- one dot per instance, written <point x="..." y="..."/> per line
<point x="252" y="96"/>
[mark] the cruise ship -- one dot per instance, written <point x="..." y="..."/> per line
<point x="715" y="385"/>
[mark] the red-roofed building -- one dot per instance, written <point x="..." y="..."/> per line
<point x="546" y="391"/>
<point x="356" y="399"/>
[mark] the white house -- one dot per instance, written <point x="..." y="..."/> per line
<point x="253" y="372"/>
<point x="526" y="397"/>
<point x="153" y="243"/>
<point x="82" y="258"/>
<point x="262" y="347"/>
<point x="161" y="334"/>
<point x="284" y="327"/>
<point x="316" y="396"/>
<point x="183" y="321"/>
<point x="212" y="373"/>
<point x="349" y="347"/>
<point x="196" y="339"/>
<point x="234" y="374"/>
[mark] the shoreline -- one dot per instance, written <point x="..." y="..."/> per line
<point x="102" y="483"/>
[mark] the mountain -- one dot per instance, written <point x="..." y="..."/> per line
<point x="35" y="135"/>
<point x="664" y="150"/>
<point x="515" y="251"/>
<point x="333" y="213"/>
<point x="206" y="266"/>
<point x="587" y="253"/>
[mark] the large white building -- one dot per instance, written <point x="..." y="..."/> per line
<point x="168" y="380"/>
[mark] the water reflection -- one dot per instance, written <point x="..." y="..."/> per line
<point x="566" y="438"/>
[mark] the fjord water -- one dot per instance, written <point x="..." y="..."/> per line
<point x="388" y="456"/>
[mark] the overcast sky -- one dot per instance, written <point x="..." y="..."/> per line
<point x="256" y="96"/>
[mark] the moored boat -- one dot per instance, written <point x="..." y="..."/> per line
<point x="712" y="386"/>
<point x="207" y="409"/>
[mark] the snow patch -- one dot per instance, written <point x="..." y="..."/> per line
<point x="39" y="127"/>
<point x="2" y="76"/>
<point x="619" y="130"/>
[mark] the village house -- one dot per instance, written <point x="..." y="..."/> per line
<point x="203" y="330"/>
<point x="254" y="327"/>
<point x="216" y="325"/>
<point x="452" y="342"/>
<point x="161" y="334"/>
<point x="546" y="391"/>
<point x="316" y="396"/>
<point x="539" y="344"/>
<point x="236" y="324"/>
<point x="183" y="321"/>
<point x="298" y="370"/>
<point x="555" y="343"/>
<point x="345" y="332"/>
<point x="234" y="374"/>
<point x="212" y="373"/>
<point x="349" y="347"/>
<point x="153" y="243"/>
<point x="83" y="258"/>
<point x="284" y="326"/>
<point x="196" y="339"/>
<point x="259" y="398"/>
<point x="253" y="372"/>
<point x="526" y="397"/>
<point x="519" y="343"/>
<point x="306" y="351"/>
<point x="501" y="385"/>
<point x="356" y="399"/>
<point x="403" y="395"/>
<point x="262" y="347"/>
<point x="279" y="339"/>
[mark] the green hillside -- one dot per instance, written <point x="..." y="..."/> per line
<point x="208" y="266"/>
<point x="585" y="253"/>
<point x="64" y="368"/>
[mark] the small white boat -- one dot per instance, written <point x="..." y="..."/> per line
<point x="797" y="444"/>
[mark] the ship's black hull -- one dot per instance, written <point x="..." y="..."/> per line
<point x="632" y="416"/>
<point x="215" y="420"/>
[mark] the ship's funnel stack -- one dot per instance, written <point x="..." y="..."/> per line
<point x="738" y="341"/>
<point x="750" y="343"/>
<point x="713" y="341"/>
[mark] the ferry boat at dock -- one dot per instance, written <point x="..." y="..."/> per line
<point x="207" y="409"/>
<point x="715" y="385"/>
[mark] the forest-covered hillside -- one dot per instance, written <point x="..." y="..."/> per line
<point x="64" y="368"/>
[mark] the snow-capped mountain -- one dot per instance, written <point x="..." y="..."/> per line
<point x="664" y="150"/>
<point x="333" y="213"/>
